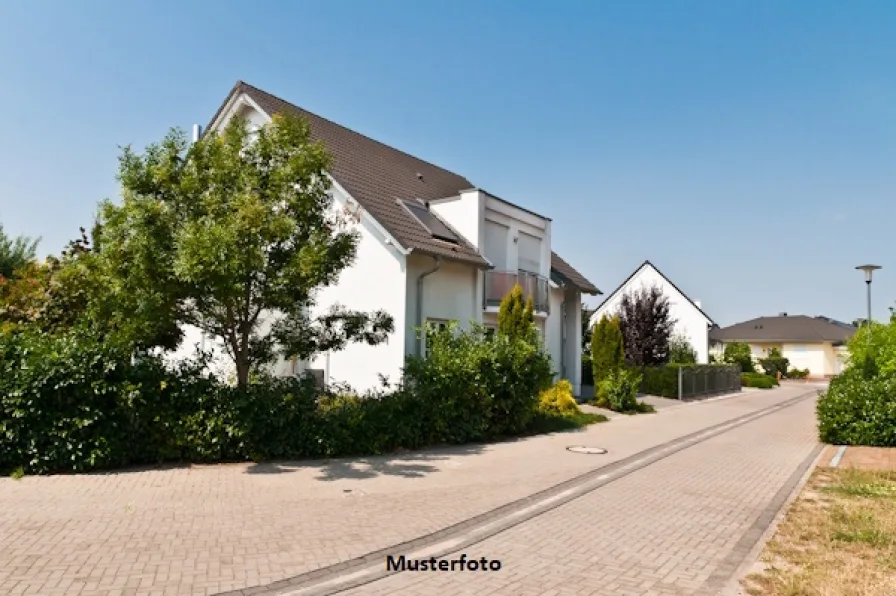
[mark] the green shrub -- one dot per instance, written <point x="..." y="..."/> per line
<point x="859" y="410"/>
<point x="478" y="386"/>
<point x="558" y="400"/>
<point x="758" y="380"/>
<point x="774" y="363"/>
<point x="660" y="380"/>
<point x="880" y="348"/>
<point x="607" y="353"/>
<point x="619" y="390"/>
<point x="73" y="403"/>
<point x="739" y="353"/>
<point x="796" y="373"/>
<point x="681" y="351"/>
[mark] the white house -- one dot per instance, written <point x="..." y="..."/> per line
<point x="433" y="248"/>
<point x="814" y="343"/>
<point x="690" y="320"/>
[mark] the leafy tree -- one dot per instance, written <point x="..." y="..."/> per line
<point x="646" y="326"/>
<point x="15" y="253"/>
<point x="516" y="316"/>
<point x="739" y="353"/>
<point x="234" y="235"/>
<point x="681" y="351"/>
<point x="607" y="354"/>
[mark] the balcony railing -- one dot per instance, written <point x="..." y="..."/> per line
<point x="499" y="283"/>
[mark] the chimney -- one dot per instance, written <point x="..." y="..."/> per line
<point x="196" y="132"/>
<point x="697" y="302"/>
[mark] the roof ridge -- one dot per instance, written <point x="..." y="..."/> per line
<point x="241" y="83"/>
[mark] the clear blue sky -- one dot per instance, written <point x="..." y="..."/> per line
<point x="747" y="148"/>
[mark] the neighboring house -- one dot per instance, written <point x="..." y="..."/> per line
<point x="690" y="320"/>
<point x="816" y="343"/>
<point x="433" y="248"/>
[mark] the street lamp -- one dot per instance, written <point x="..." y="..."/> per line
<point x="868" y="269"/>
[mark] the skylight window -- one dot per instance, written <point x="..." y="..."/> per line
<point x="432" y="224"/>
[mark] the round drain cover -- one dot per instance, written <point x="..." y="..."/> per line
<point x="587" y="450"/>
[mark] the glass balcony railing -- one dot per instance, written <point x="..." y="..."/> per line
<point x="499" y="283"/>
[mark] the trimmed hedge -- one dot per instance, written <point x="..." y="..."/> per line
<point x="663" y="380"/>
<point x="73" y="403"/>
<point x="758" y="380"/>
<point x="859" y="410"/>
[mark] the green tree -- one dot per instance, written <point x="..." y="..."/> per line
<point x="739" y="353"/>
<point x="516" y="316"/>
<point x="15" y="253"/>
<point x="235" y="235"/>
<point x="607" y="353"/>
<point x="681" y="351"/>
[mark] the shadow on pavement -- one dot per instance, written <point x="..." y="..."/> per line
<point x="411" y="465"/>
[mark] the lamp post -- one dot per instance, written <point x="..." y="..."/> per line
<point x="868" y="269"/>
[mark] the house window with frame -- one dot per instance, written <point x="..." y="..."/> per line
<point x="490" y="331"/>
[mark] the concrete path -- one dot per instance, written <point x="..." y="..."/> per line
<point x="210" y="529"/>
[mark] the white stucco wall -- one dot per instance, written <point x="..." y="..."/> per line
<point x="688" y="320"/>
<point x="375" y="281"/>
<point x="464" y="213"/>
<point x="449" y="294"/>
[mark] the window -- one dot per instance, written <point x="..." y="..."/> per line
<point x="529" y="253"/>
<point x="496" y="236"/>
<point x="432" y="223"/>
<point x="490" y="331"/>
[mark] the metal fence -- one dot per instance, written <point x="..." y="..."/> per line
<point x="690" y="381"/>
<point x="702" y="381"/>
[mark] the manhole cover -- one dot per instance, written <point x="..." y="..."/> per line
<point x="587" y="450"/>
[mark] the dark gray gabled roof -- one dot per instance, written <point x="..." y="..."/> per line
<point x="785" y="328"/>
<point x="379" y="177"/>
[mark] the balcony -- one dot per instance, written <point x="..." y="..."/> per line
<point x="499" y="283"/>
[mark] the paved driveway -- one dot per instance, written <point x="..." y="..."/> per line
<point x="209" y="529"/>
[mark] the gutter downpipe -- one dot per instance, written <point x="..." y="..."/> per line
<point x="428" y="272"/>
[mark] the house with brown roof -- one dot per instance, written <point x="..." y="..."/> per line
<point x="433" y="248"/>
<point x="814" y="343"/>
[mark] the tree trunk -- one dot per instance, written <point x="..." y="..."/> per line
<point x="242" y="370"/>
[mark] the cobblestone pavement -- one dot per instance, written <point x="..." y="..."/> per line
<point x="664" y="529"/>
<point x="207" y="529"/>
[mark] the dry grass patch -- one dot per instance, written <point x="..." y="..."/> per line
<point x="837" y="539"/>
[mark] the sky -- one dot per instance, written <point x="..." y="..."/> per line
<point x="746" y="148"/>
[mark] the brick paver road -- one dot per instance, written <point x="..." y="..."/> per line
<point x="207" y="529"/>
<point x="663" y="529"/>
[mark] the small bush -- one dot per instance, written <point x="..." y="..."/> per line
<point x="619" y="391"/>
<point x="796" y="373"/>
<point x="774" y="364"/>
<point x="857" y="410"/>
<point x="758" y="380"/>
<point x="681" y="351"/>
<point x="558" y="400"/>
